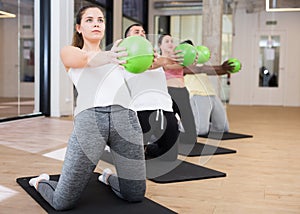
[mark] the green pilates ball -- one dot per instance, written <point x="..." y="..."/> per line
<point x="203" y="54"/>
<point x="140" y="54"/>
<point x="188" y="52"/>
<point x="236" y="64"/>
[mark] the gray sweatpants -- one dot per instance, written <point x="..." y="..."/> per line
<point x="93" y="129"/>
<point x="209" y="114"/>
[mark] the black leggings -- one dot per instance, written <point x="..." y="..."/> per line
<point x="160" y="133"/>
<point x="182" y="106"/>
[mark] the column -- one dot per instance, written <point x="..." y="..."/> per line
<point x="118" y="19"/>
<point x="212" y="28"/>
<point x="62" y="28"/>
<point x="212" y="34"/>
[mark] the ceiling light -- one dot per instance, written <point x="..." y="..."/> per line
<point x="4" y="14"/>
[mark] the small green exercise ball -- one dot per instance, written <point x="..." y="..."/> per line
<point x="140" y="54"/>
<point x="203" y="54"/>
<point x="236" y="63"/>
<point x="188" y="52"/>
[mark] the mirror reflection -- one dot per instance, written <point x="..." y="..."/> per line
<point x="17" y="58"/>
<point x="269" y="61"/>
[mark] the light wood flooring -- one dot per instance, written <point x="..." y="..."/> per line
<point x="262" y="177"/>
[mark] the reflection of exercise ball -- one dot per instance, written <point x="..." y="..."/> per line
<point x="203" y="54"/>
<point x="140" y="54"/>
<point x="236" y="64"/>
<point x="188" y="52"/>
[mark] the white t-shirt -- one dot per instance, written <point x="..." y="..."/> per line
<point x="100" y="86"/>
<point x="148" y="90"/>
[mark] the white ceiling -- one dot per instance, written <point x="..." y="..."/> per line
<point x="249" y="5"/>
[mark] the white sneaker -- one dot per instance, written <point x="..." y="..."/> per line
<point x="34" y="181"/>
<point x="105" y="175"/>
<point x="107" y="148"/>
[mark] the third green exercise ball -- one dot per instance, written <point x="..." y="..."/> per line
<point x="140" y="54"/>
<point x="188" y="52"/>
<point x="203" y="54"/>
<point x="236" y="64"/>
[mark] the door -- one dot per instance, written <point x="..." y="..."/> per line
<point x="269" y="69"/>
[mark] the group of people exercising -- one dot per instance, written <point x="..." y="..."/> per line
<point x="139" y="116"/>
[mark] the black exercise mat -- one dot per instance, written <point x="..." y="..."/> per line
<point x="161" y="171"/>
<point x="97" y="198"/>
<point x="225" y="135"/>
<point x="179" y="171"/>
<point x="200" y="149"/>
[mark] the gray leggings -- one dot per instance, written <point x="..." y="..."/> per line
<point x="93" y="129"/>
<point x="209" y="114"/>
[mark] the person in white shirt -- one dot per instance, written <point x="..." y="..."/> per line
<point x="151" y="100"/>
<point x="102" y="117"/>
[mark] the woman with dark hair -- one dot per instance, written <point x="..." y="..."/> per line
<point x="177" y="88"/>
<point x="101" y="118"/>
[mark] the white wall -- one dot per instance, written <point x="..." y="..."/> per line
<point x="247" y="25"/>
<point x="62" y="26"/>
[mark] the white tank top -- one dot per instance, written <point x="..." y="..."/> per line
<point x="99" y="87"/>
<point x="148" y="90"/>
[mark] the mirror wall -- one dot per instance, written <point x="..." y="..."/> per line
<point x="269" y="54"/>
<point x="16" y="58"/>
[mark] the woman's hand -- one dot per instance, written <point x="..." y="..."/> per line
<point x="167" y="62"/>
<point x="176" y="56"/>
<point x="105" y="57"/>
<point x="117" y="52"/>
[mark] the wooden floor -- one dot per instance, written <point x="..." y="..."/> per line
<point x="262" y="177"/>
